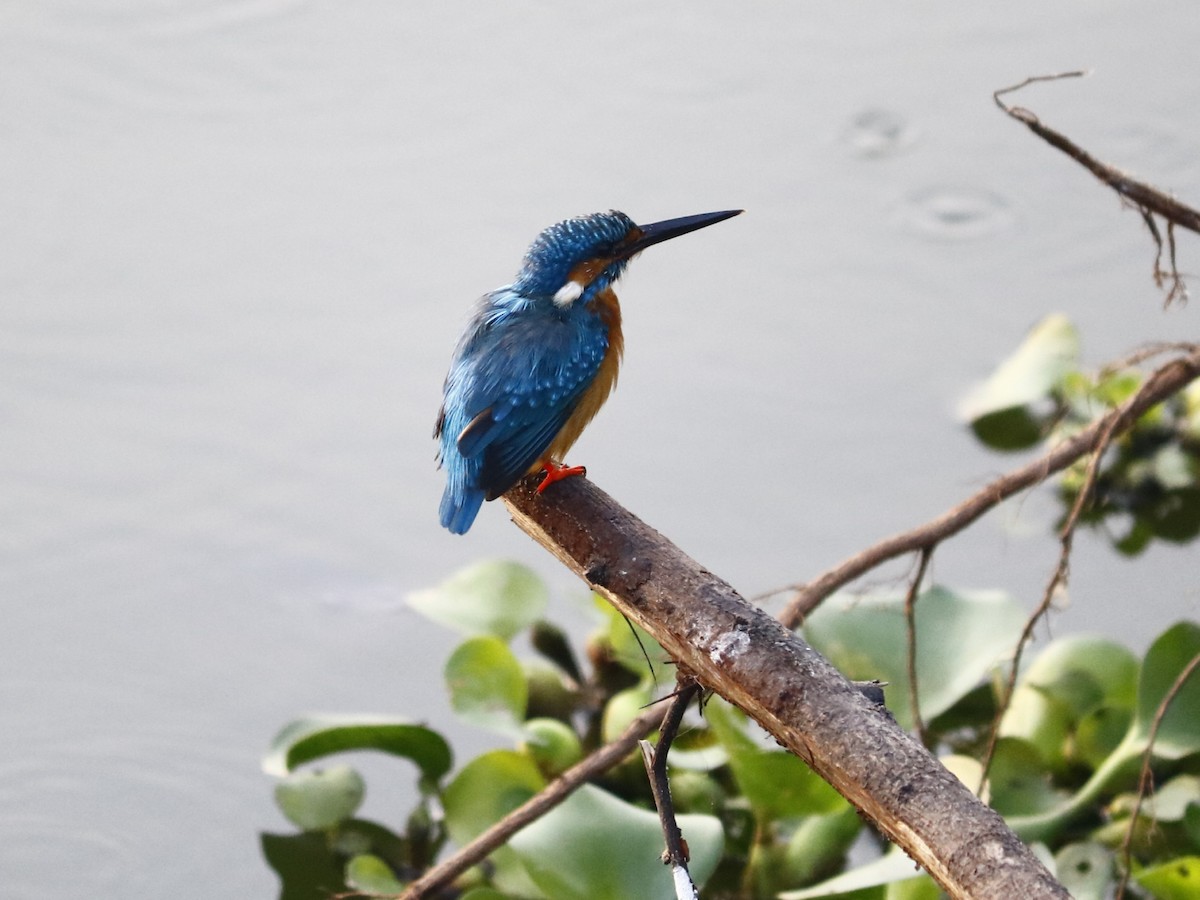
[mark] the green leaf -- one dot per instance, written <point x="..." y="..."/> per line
<point x="622" y="708"/>
<point x="1084" y="673"/>
<point x="1100" y="733"/>
<point x="1031" y="373"/>
<point x="892" y="867"/>
<point x="595" y="846"/>
<point x="307" y="867"/>
<point x="775" y="783"/>
<point x="818" y="846"/>
<point x="631" y="644"/>
<point x="487" y="685"/>
<point x="371" y="875"/>
<point x="961" y="636"/>
<point x="488" y="788"/>
<point x="1018" y="783"/>
<point x="1171" y="802"/>
<point x="1176" y="517"/>
<point x="552" y="745"/>
<point x="313" y="737"/>
<point x="1040" y="720"/>
<point x="1179" y="733"/>
<point x="495" y="597"/>
<point x="317" y="800"/>
<point x="1085" y="870"/>
<point x="1009" y="429"/>
<point x="1178" y="879"/>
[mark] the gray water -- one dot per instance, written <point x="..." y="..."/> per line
<point x="238" y="239"/>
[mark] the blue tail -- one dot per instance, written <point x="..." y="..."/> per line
<point x="460" y="507"/>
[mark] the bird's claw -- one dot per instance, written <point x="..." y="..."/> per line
<point x="555" y="472"/>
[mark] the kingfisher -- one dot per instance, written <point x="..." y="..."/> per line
<point x="538" y="359"/>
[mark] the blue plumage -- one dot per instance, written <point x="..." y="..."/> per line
<point x="538" y="357"/>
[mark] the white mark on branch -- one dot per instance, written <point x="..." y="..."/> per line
<point x="729" y="646"/>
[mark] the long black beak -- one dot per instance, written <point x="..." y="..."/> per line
<point x="657" y="232"/>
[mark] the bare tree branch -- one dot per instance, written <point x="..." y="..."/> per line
<point x="1148" y="200"/>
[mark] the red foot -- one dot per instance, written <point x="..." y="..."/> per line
<point x="557" y="472"/>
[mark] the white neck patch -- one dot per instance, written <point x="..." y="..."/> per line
<point x="568" y="293"/>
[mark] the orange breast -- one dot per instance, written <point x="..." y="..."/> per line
<point x="602" y="385"/>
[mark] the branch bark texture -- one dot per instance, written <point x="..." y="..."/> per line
<point x="787" y="687"/>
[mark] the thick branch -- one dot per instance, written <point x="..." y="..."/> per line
<point x="787" y="687"/>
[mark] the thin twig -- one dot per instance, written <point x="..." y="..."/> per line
<point x="1144" y="779"/>
<point x="1146" y="199"/>
<point x="1058" y="579"/>
<point x="1161" y="384"/>
<point x="655" y="759"/>
<point x="551" y="796"/>
<point x="910" y="625"/>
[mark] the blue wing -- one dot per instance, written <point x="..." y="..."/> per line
<point x="516" y="377"/>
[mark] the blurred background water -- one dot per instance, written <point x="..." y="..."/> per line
<point x="238" y="240"/>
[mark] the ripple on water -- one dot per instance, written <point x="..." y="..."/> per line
<point x="947" y="212"/>
<point x="876" y="132"/>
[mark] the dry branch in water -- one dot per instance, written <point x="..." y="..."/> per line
<point x="1146" y="199"/>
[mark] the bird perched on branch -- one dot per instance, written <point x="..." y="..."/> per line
<point x="539" y="358"/>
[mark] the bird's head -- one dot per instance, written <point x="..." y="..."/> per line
<point x="578" y="258"/>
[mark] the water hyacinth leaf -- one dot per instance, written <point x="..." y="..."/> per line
<point x="1018" y="783"/>
<point x="488" y="788"/>
<point x="487" y="685"/>
<point x="1085" y="672"/>
<point x="1039" y="719"/>
<point x="894" y="866"/>
<point x="775" y="783"/>
<point x="314" y="801"/>
<point x="371" y="875"/>
<point x="631" y="645"/>
<point x="1085" y="870"/>
<point x="1099" y="733"/>
<point x="495" y="597"/>
<point x="922" y="888"/>
<point x="313" y="737"/>
<point x="301" y="861"/>
<point x="1030" y="374"/>
<point x="1172" y="801"/>
<point x="622" y="709"/>
<point x="595" y="846"/>
<point x="1178" y="879"/>
<point x="1179" y="733"/>
<point x="961" y="636"/>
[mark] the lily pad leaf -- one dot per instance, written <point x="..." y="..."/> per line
<point x="488" y="788"/>
<point x="1036" y="367"/>
<point x="1179" y="732"/>
<point x="371" y="875"/>
<point x="894" y="866"/>
<point x="318" y="800"/>
<point x="495" y="597"/>
<point x="596" y="846"/>
<point x="487" y="685"/>
<point x="961" y="636"/>
<point x="314" y="737"/>
<point x="1178" y="879"/>
<point x="777" y="784"/>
